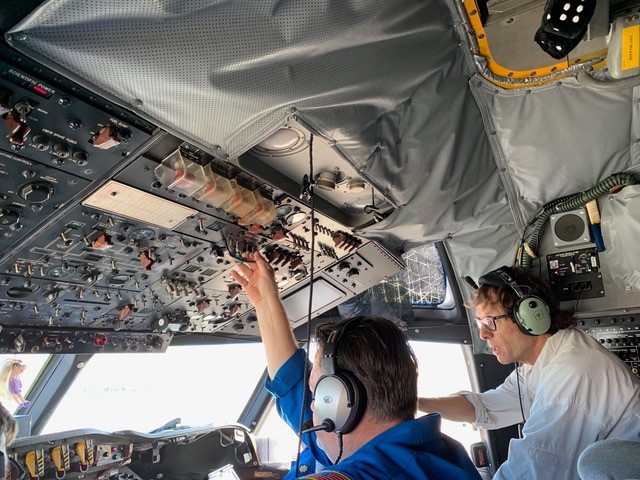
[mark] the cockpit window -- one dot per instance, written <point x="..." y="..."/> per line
<point x="131" y="391"/>
<point x="442" y="370"/>
<point x="425" y="277"/>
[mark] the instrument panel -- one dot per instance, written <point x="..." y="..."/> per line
<point x="117" y="236"/>
<point x="182" y="453"/>
<point x="619" y="334"/>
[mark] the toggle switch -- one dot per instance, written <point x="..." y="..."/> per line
<point x="17" y="130"/>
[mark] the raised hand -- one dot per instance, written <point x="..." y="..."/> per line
<point x="257" y="278"/>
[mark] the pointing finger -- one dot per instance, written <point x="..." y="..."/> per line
<point x="239" y="278"/>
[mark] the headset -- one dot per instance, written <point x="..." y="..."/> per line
<point x="340" y="399"/>
<point x="530" y="312"/>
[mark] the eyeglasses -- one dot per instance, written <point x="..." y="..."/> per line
<point x="489" y="322"/>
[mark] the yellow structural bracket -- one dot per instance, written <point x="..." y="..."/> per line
<point x="504" y="75"/>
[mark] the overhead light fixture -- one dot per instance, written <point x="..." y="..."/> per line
<point x="283" y="141"/>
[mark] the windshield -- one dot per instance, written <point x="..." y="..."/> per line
<point x="131" y="391"/>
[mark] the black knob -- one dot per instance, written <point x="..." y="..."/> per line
<point x="60" y="150"/>
<point x="344" y="266"/>
<point x="40" y="142"/>
<point x="80" y="157"/>
<point x="74" y="124"/>
<point x="353" y="272"/>
<point x="9" y="215"/>
<point x="36" y="192"/>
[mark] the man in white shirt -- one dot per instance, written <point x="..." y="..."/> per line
<point x="570" y="391"/>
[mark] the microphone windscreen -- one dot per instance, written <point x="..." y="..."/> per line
<point x="469" y="281"/>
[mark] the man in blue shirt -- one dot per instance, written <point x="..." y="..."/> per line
<point x="364" y="384"/>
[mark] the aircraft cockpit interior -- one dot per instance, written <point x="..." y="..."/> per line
<point x="381" y="156"/>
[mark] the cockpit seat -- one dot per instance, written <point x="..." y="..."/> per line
<point x="610" y="459"/>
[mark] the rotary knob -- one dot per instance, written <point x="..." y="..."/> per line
<point x="9" y="216"/>
<point x="36" y="192"/>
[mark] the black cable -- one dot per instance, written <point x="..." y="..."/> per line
<point x="307" y="363"/>
<point x="520" y="399"/>
<point x="339" y="447"/>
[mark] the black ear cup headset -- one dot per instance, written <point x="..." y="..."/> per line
<point x="531" y="313"/>
<point x="340" y="398"/>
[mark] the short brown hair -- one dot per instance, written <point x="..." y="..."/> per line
<point x="506" y="297"/>
<point x="377" y="353"/>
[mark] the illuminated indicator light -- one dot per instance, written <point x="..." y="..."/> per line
<point x="40" y="90"/>
<point x="101" y="340"/>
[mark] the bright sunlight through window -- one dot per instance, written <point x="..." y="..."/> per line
<point x="134" y="391"/>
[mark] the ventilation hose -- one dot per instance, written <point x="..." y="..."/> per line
<point x="567" y="203"/>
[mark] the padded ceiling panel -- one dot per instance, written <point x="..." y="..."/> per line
<point x="386" y="81"/>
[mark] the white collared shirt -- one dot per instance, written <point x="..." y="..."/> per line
<point x="576" y="393"/>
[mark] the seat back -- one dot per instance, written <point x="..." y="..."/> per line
<point x="610" y="459"/>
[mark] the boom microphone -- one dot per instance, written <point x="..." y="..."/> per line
<point x="469" y="281"/>
<point x="327" y="425"/>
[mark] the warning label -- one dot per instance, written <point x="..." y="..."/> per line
<point x="630" y="47"/>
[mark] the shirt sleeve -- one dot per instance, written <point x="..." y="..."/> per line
<point x="499" y="407"/>
<point x="287" y="388"/>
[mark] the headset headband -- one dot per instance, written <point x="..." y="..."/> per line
<point x="330" y="349"/>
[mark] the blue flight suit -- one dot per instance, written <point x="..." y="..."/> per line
<point x="412" y="450"/>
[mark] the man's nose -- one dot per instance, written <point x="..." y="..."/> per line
<point x="485" y="334"/>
